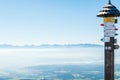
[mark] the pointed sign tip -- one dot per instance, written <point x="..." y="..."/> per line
<point x="109" y="2"/>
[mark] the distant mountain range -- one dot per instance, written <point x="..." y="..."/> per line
<point x="51" y="46"/>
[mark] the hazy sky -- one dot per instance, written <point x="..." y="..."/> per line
<point x="51" y="21"/>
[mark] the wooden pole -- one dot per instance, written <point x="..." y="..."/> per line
<point x="109" y="59"/>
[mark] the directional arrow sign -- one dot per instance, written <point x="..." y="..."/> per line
<point x="109" y="29"/>
<point x="106" y="39"/>
<point x="109" y="33"/>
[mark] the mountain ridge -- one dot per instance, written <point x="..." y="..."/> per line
<point x="50" y="46"/>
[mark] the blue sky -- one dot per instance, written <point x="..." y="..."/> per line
<point x="51" y="21"/>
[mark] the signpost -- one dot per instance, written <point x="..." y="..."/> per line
<point x="109" y="14"/>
